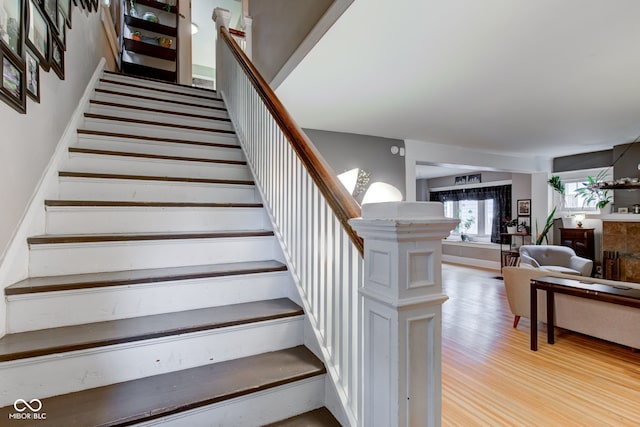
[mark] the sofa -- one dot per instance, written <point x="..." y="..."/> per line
<point x="616" y="323"/>
<point x="555" y="258"/>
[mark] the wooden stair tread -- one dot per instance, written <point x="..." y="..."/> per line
<point x="80" y="150"/>
<point x="128" y="237"/>
<point x="118" y="203"/>
<point x="172" y="92"/>
<point x="154" y="138"/>
<point x="157" y="110"/>
<point x="153" y="123"/>
<point x="152" y="98"/>
<point x="137" y="277"/>
<point x="166" y="394"/>
<point x="205" y="90"/>
<point x="94" y="335"/>
<point x="67" y="174"/>
<point x="320" y="417"/>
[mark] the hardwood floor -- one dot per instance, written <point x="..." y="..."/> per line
<point x="491" y="378"/>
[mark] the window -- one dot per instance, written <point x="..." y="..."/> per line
<point x="476" y="214"/>
<point x="572" y="182"/>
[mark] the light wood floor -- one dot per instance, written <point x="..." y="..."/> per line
<point x="491" y="378"/>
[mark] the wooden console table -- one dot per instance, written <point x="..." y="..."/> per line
<point x="621" y="295"/>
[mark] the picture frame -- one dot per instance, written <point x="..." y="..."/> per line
<point x="12" y="25"/>
<point x="524" y="220"/>
<point x="32" y="69"/>
<point x="50" y="8"/>
<point x="38" y="36"/>
<point x="523" y="207"/>
<point x="67" y="8"/>
<point x="57" y="58"/>
<point x="62" y="30"/>
<point x="623" y="210"/>
<point x="12" y="80"/>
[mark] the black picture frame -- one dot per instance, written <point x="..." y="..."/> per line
<point x="38" y="35"/>
<point x="12" y="21"/>
<point x="32" y="77"/>
<point x="61" y="32"/>
<point x="12" y="79"/>
<point x="50" y="9"/>
<point x="57" y="58"/>
<point x="66" y="6"/>
<point x="523" y="207"/>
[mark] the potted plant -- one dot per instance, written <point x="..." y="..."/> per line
<point x="466" y="225"/>
<point x="591" y="191"/>
<point x="542" y="236"/>
<point x="558" y="186"/>
<point x="512" y="225"/>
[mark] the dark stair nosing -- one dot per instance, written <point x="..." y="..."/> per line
<point x="172" y="92"/>
<point x="140" y="237"/>
<point x="157" y="110"/>
<point x="152" y="123"/>
<point x="151" y="98"/>
<point x="320" y="417"/>
<point x="23" y="345"/>
<point x="122" y="203"/>
<point x="154" y="138"/>
<point x="161" y="81"/>
<point x="65" y="174"/>
<point x="140" y="277"/>
<point x="162" y="395"/>
<point x="154" y="156"/>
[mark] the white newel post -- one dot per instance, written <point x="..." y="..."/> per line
<point x="401" y="299"/>
<point x="247" y="22"/>
<point x="222" y="18"/>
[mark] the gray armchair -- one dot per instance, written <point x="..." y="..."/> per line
<point x="555" y="258"/>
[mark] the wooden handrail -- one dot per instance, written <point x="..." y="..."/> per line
<point x="342" y="203"/>
<point x="237" y="33"/>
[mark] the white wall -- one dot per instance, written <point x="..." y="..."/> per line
<point x="28" y="140"/>
<point x="426" y="152"/>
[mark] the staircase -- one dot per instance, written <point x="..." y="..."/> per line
<point x="157" y="295"/>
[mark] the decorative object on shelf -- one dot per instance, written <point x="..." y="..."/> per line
<point x="579" y="218"/>
<point x="635" y="209"/>
<point x="512" y="225"/>
<point x="136" y="35"/>
<point x="165" y="42"/>
<point x="151" y="17"/>
<point x="623" y="210"/>
<point x="468" y="179"/>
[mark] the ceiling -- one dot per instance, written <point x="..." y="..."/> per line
<point x="543" y="77"/>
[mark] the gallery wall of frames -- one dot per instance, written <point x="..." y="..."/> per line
<point x="33" y="36"/>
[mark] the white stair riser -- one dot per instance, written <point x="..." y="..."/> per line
<point x="158" y="131"/>
<point x="78" y="258"/>
<point x="160" y="104"/>
<point x="267" y="406"/>
<point x="158" y="147"/>
<point x="51" y="309"/>
<point x="79" y="370"/>
<point x="154" y="191"/>
<point x="105" y="219"/>
<point x="161" y="95"/>
<point x="152" y="84"/>
<point x="132" y="113"/>
<point x="97" y="163"/>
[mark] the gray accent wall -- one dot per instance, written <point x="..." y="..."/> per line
<point x="345" y="151"/>
<point x="593" y="160"/>
<point x="628" y="158"/>
<point x="278" y="28"/>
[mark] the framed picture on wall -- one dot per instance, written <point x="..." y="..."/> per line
<point x="11" y="25"/>
<point x="523" y="207"/>
<point x="12" y="80"/>
<point x="57" y="58"/>
<point x="65" y="6"/>
<point x="32" y="68"/>
<point x="38" y="34"/>
<point x="62" y="30"/>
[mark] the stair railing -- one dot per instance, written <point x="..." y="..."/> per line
<point x="310" y="211"/>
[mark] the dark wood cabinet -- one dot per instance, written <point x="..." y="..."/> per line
<point x="580" y="240"/>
